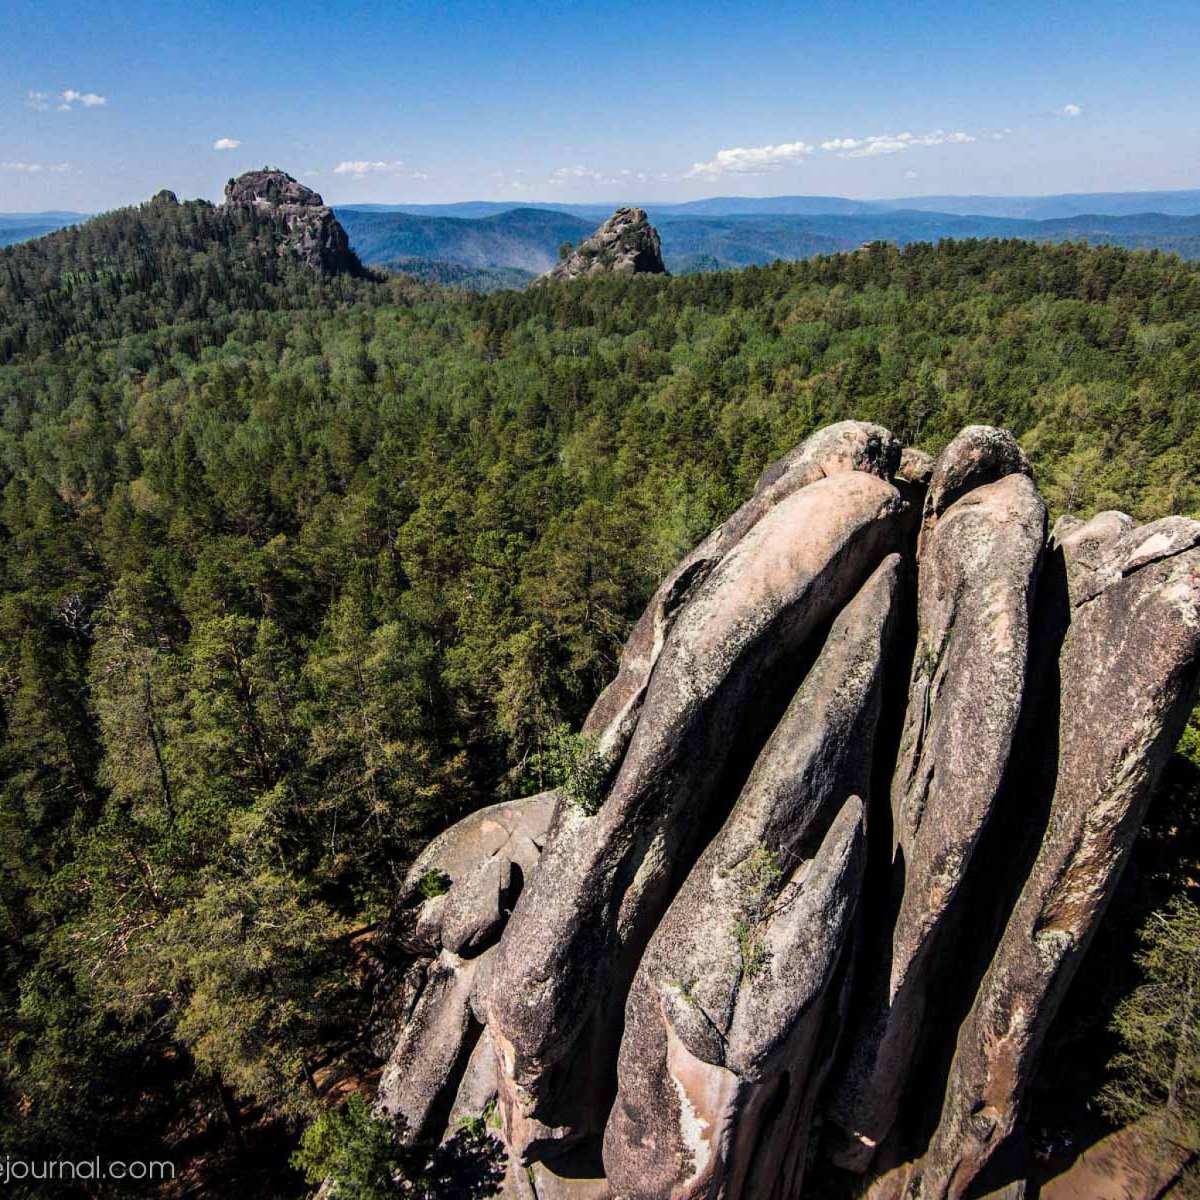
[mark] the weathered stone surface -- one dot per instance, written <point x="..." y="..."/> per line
<point x="626" y="244"/>
<point x="423" y="1073"/>
<point x="979" y="567"/>
<point x="684" y="1126"/>
<point x="477" y="1088"/>
<point x="569" y="951"/>
<point x="1129" y="671"/>
<point x="477" y="906"/>
<point x="979" y="454"/>
<point x="311" y="232"/>
<point x="913" y="476"/>
<point x="481" y="861"/>
<point x="915" y="466"/>
<point x="844" y="446"/>
<point x="516" y="830"/>
<point x="698" y="984"/>
<point x="1093" y="549"/>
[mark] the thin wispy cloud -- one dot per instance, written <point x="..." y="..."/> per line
<point x="566" y="174"/>
<point x="894" y="143"/>
<point x="1071" y="110"/>
<point x="28" y="168"/>
<point x="227" y="143"/>
<point x="510" y="183"/>
<point x="749" y="160"/>
<point x="573" y="174"/>
<point x="362" y="167"/>
<point x="65" y="101"/>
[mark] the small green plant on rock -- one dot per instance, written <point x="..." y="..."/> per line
<point x="433" y="883"/>
<point x="572" y="762"/>
<point x="760" y="875"/>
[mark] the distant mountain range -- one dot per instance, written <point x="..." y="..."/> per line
<point x="21" y="227"/>
<point x="1037" y="208"/>
<point x="488" y="244"/>
<point x="528" y="239"/>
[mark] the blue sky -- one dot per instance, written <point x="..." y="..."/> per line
<point x="410" y="100"/>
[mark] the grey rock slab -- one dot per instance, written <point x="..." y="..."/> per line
<point x="1129" y="666"/>
<point x="694" y="967"/>
<point x="603" y="882"/>
<point x="979" y="568"/>
<point x="426" y="1066"/>
<point x="844" y="446"/>
<point x="509" y="829"/>
<point x="477" y="906"/>
<point x="687" y="1127"/>
<point x="626" y="244"/>
<point x="977" y="455"/>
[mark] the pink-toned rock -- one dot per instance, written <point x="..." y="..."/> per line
<point x="568" y="954"/>
<point x="726" y="1008"/>
<point x="1129" y="667"/>
<point x="845" y="446"/>
<point x="979" y="567"/>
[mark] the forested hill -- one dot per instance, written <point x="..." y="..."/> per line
<point x="294" y="570"/>
<point x="159" y="263"/>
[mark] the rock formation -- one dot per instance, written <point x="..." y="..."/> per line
<point x="308" y="229"/>
<point x="874" y="730"/>
<point x="626" y="244"/>
<point x="979" y="561"/>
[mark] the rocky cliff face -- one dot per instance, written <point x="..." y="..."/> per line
<point x="876" y="755"/>
<point x="308" y="227"/>
<point x="626" y="244"/>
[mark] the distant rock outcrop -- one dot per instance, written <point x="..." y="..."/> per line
<point x="876" y="755"/>
<point x="310" y="230"/>
<point x="626" y="244"/>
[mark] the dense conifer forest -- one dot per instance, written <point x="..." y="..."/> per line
<point x="296" y="570"/>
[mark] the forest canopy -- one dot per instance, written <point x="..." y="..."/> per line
<point x="295" y="571"/>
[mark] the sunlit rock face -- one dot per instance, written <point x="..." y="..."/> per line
<point x="626" y="244"/>
<point x="306" y="224"/>
<point x="876" y="752"/>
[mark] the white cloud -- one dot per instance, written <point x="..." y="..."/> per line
<point x="570" y="174"/>
<point x="910" y="174"/>
<point x="508" y="183"/>
<point x="227" y="143"/>
<point x="362" y="167"/>
<point x="749" y="160"/>
<point x="87" y="99"/>
<point x="894" y="143"/>
<point x="27" y="168"/>
<point x="1071" y="110"/>
<point x="65" y="101"/>
<point x="563" y="174"/>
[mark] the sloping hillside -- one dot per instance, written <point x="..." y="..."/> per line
<point x="527" y="238"/>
